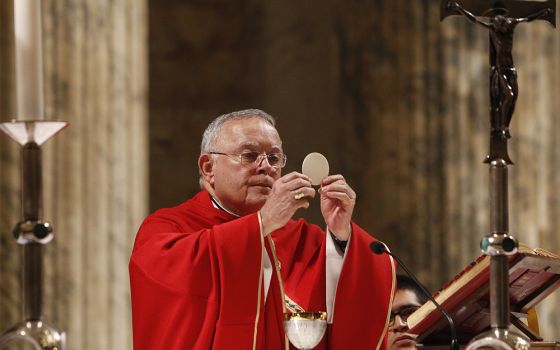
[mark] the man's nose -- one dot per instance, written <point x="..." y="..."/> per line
<point x="400" y="324"/>
<point x="263" y="165"/>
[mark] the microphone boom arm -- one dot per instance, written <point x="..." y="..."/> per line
<point x="379" y="248"/>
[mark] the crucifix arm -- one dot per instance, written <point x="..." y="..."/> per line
<point x="536" y="15"/>
<point x="453" y="5"/>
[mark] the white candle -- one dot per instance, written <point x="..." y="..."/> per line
<point x="29" y="62"/>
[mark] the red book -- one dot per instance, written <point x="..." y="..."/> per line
<point x="533" y="275"/>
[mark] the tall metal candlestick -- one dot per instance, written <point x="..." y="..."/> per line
<point x="33" y="233"/>
<point x="29" y="60"/>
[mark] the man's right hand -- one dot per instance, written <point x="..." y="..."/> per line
<point x="283" y="201"/>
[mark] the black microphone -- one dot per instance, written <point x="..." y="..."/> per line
<point x="379" y="248"/>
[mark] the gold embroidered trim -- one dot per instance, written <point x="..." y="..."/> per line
<point x="279" y="276"/>
<point x="255" y="332"/>
<point x="393" y="285"/>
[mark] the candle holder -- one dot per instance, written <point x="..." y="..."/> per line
<point x="33" y="234"/>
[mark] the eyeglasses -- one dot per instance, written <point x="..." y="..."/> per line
<point x="403" y="313"/>
<point x="277" y="160"/>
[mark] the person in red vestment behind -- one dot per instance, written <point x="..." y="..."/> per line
<point x="220" y="270"/>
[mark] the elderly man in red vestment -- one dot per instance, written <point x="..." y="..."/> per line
<point x="220" y="270"/>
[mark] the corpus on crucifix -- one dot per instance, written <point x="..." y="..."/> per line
<point x="503" y="74"/>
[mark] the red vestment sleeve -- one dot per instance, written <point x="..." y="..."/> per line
<point x="363" y="297"/>
<point x="194" y="287"/>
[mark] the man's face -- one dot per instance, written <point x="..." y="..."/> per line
<point x="241" y="188"/>
<point x="398" y="338"/>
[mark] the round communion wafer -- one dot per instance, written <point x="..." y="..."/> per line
<point x="316" y="166"/>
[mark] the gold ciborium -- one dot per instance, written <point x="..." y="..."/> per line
<point x="305" y="329"/>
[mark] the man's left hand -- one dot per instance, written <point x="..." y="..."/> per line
<point x="337" y="205"/>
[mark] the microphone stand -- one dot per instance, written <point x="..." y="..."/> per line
<point x="379" y="248"/>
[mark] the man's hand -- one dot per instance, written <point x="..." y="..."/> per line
<point x="289" y="193"/>
<point x="337" y="205"/>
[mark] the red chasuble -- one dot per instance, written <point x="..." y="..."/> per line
<point x="196" y="277"/>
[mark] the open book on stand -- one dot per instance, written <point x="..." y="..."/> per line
<point x="533" y="275"/>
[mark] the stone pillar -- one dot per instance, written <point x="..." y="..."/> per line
<point x="95" y="171"/>
<point x="414" y="133"/>
<point x="410" y="143"/>
<point x="535" y="184"/>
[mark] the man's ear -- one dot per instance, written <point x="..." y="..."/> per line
<point x="206" y="168"/>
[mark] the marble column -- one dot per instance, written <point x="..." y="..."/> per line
<point x="95" y="171"/>
<point x="535" y="180"/>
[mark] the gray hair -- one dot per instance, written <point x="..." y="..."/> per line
<point x="210" y="136"/>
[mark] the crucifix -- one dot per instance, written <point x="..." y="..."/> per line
<point x="500" y="18"/>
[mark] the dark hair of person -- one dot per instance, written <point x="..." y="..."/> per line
<point x="407" y="283"/>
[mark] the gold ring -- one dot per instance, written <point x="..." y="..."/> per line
<point x="299" y="195"/>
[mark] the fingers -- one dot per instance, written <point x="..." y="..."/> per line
<point x="335" y="186"/>
<point x="295" y="180"/>
<point x="342" y="195"/>
<point x="337" y="205"/>
<point x="345" y="198"/>
<point x="301" y="203"/>
<point x="303" y="192"/>
<point x="293" y="175"/>
<point x="298" y="185"/>
<point x="289" y="194"/>
<point x="332" y="178"/>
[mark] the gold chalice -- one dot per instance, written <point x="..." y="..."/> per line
<point x="305" y="329"/>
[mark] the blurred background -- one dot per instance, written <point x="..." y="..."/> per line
<point x="395" y="99"/>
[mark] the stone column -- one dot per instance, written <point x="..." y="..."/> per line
<point x="95" y="171"/>
<point x="535" y="184"/>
